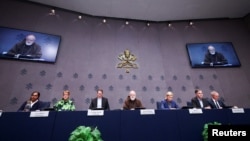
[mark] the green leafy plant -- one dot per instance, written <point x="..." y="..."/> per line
<point x="84" y="133"/>
<point x="205" y="129"/>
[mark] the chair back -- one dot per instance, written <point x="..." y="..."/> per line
<point x="158" y="105"/>
<point x="189" y="104"/>
<point x="45" y="104"/>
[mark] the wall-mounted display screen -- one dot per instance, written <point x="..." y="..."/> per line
<point x="213" y="54"/>
<point x="19" y="44"/>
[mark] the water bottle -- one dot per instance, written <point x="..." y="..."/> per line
<point x="27" y="106"/>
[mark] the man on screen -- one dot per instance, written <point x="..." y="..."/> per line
<point x="27" y="47"/>
<point x="214" y="58"/>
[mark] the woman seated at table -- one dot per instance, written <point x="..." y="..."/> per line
<point x="168" y="103"/>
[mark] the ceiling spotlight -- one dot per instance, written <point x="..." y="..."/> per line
<point x="52" y="12"/>
<point x="169" y="24"/>
<point x="127" y="22"/>
<point x="148" y="24"/>
<point x="104" y="20"/>
<point x="80" y="17"/>
<point x="191" y="23"/>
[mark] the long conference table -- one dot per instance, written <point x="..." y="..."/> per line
<point x="117" y="125"/>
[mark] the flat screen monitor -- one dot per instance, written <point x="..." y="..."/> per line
<point x="20" y="44"/>
<point x="212" y="54"/>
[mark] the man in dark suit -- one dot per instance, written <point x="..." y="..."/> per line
<point x="214" y="58"/>
<point x="198" y="101"/>
<point x="33" y="104"/>
<point x="215" y="102"/>
<point x="99" y="102"/>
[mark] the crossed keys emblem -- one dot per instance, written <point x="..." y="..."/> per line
<point x="127" y="60"/>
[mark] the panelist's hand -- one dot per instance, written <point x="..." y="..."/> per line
<point x="17" y="55"/>
<point x="234" y="107"/>
<point x="208" y="107"/>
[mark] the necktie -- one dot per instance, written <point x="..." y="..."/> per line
<point x="217" y="105"/>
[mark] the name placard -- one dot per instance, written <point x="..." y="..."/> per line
<point x="95" y="112"/>
<point x="195" y="111"/>
<point x="238" y="110"/>
<point x="39" y="114"/>
<point x="147" y="112"/>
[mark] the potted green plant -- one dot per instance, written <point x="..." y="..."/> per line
<point x="85" y="133"/>
<point x="205" y="129"/>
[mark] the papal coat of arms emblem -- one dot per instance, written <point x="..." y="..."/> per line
<point x="127" y="60"/>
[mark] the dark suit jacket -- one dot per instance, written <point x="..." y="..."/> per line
<point x="105" y="103"/>
<point x="217" y="58"/>
<point x="21" y="48"/>
<point x="196" y="103"/>
<point x="36" y="106"/>
<point x="213" y="106"/>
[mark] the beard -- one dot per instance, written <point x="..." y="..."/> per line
<point x="28" y="43"/>
<point x="212" y="53"/>
<point x="132" y="98"/>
